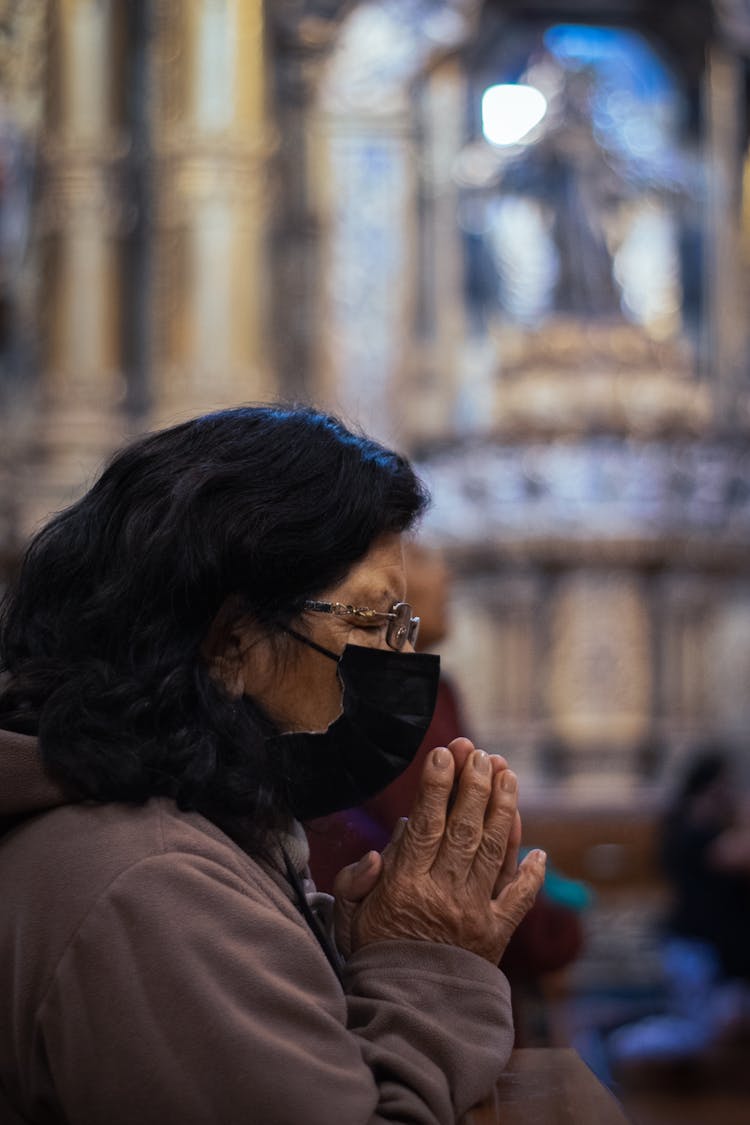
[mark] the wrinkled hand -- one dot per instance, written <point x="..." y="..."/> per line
<point x="449" y="875"/>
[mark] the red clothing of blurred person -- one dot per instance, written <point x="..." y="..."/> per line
<point x="550" y="936"/>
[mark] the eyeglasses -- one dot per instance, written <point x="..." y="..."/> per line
<point x="402" y="627"/>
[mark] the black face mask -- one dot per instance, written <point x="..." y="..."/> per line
<point x="389" y="699"/>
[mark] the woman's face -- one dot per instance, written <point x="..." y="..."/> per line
<point x="300" y="688"/>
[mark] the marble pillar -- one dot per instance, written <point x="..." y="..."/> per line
<point x="81" y="222"/>
<point x="211" y="144"/>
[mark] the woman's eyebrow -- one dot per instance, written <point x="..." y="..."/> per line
<point x="388" y="599"/>
<point x="382" y="602"/>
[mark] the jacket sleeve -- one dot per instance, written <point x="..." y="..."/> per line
<point x="191" y="995"/>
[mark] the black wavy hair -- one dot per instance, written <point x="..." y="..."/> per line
<point x="100" y="638"/>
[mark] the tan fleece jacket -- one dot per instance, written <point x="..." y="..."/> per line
<point x="152" y="972"/>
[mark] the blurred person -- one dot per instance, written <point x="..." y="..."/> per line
<point x="550" y="937"/>
<point x="209" y="647"/>
<point x="707" y="865"/>
<point x="705" y="856"/>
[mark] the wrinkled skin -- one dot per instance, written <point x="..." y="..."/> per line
<point x="450" y="874"/>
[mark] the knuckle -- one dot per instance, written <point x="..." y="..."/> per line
<point x="420" y="835"/>
<point x="499" y="826"/>
<point x="463" y="834"/>
<point x="506" y="803"/>
<point x="526" y="899"/>
<point x="526" y="893"/>
<point x="504" y="806"/>
<point x="491" y="852"/>
<point x="435" y="783"/>
<point x="422" y="826"/>
<point x="476" y="782"/>
<point x="494" y="843"/>
<point x="517" y="898"/>
<point x="451" y="874"/>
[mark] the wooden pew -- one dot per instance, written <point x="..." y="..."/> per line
<point x="547" y="1086"/>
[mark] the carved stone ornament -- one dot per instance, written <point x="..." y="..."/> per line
<point x="599" y="673"/>
<point x="604" y="490"/>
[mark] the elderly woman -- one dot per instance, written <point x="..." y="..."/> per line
<point x="208" y="648"/>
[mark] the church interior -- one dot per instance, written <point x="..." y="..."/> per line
<point x="510" y="239"/>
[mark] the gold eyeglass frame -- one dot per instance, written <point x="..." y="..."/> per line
<point x="402" y="627"/>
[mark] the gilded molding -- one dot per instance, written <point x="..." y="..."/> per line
<point x="85" y="186"/>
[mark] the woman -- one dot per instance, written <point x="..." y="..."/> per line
<point x="226" y="588"/>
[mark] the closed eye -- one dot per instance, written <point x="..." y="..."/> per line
<point x="361" y="623"/>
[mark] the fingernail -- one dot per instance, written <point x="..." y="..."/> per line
<point x="481" y="761"/>
<point x="441" y="758"/>
<point x="540" y="857"/>
<point x="508" y="781"/>
<point x="363" y="864"/>
<point x="398" y="830"/>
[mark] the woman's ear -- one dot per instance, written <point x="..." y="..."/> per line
<point x="224" y="648"/>
<point x="225" y="667"/>
<point x="236" y="651"/>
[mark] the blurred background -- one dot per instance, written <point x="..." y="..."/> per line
<point x="512" y="239"/>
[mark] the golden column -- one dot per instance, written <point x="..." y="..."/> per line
<point x="23" y="58"/>
<point x="81" y="224"/>
<point x="727" y="298"/>
<point x="211" y="145"/>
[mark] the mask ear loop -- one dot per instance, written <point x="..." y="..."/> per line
<point x="311" y="644"/>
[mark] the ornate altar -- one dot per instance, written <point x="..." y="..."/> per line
<point x="205" y="203"/>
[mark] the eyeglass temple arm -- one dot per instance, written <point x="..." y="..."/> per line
<point x="339" y="608"/>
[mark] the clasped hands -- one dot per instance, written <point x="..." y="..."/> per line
<point x="450" y="873"/>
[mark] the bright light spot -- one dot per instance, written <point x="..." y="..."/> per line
<point x="510" y="112"/>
